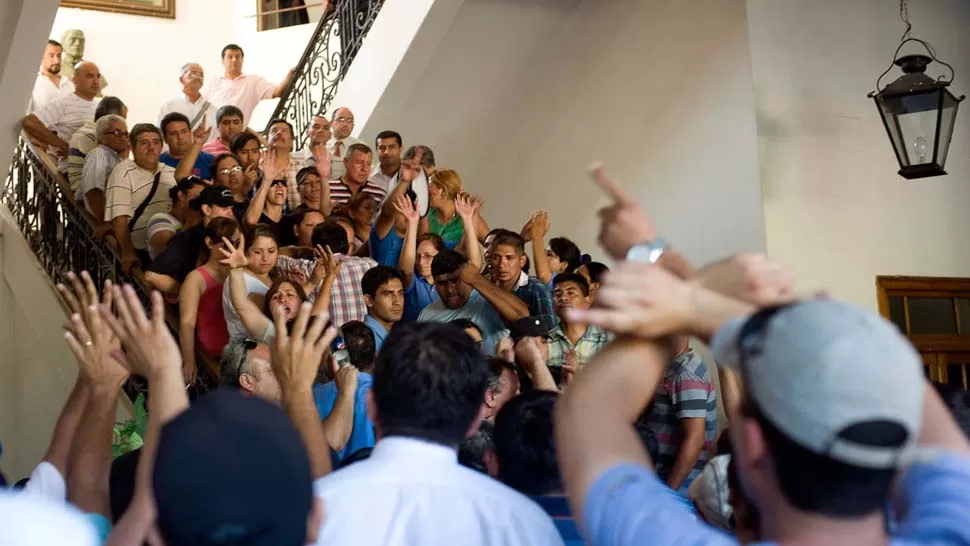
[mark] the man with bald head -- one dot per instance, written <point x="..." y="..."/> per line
<point x="246" y="365"/>
<point x="342" y="124"/>
<point x="190" y="102"/>
<point x="59" y="119"/>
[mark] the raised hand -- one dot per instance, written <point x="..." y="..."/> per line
<point x="321" y="155"/>
<point x="526" y="231"/>
<point x="410" y="169"/>
<point x="346" y="378"/>
<point x="201" y="134"/>
<point x="622" y="224"/>
<point x="569" y="367"/>
<point x="297" y="354"/>
<point x="235" y="257"/>
<point x="267" y="162"/>
<point x="325" y="266"/>
<point x="539" y="225"/>
<point x="251" y="172"/>
<point x="505" y="349"/>
<point x="405" y="207"/>
<point x="148" y="343"/>
<point x="465" y="206"/>
<point x="527" y="352"/>
<point x="752" y="278"/>
<point x="88" y="337"/>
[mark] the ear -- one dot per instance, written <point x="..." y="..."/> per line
<point x="489" y="398"/>
<point x="368" y="301"/>
<point x="296" y="229"/>
<point x="314" y="520"/>
<point x="522" y="259"/>
<point x="246" y="382"/>
<point x="476" y="422"/>
<point x="490" y="460"/>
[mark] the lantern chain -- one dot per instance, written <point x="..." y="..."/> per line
<point x="904" y="16"/>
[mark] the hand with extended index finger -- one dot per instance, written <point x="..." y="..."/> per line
<point x="622" y="224"/>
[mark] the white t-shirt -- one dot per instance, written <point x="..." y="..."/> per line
<point x="31" y="521"/>
<point x="45" y="91"/>
<point x="237" y="330"/>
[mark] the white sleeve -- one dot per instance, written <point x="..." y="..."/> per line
<point x="46" y="483"/>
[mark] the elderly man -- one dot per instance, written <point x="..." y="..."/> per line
<point x="137" y="189"/>
<point x="190" y="102"/>
<point x="340" y="142"/>
<point x="229" y="123"/>
<point x="318" y="132"/>
<point x="356" y="170"/>
<point x="245" y="365"/>
<point x="388" y="167"/>
<point x="86" y="138"/>
<point x="176" y="128"/>
<point x="242" y="90"/>
<point x="50" y="84"/>
<point x="113" y="146"/>
<point x="59" y="119"/>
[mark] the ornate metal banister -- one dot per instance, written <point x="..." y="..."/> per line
<point x="324" y="63"/>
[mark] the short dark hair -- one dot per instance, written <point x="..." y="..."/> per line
<point x="301" y="214"/>
<point x="525" y="446"/>
<point x="232" y="47"/>
<point x="359" y="339"/>
<point x="275" y="287"/>
<point x="427" y="156"/>
<point x="447" y="262"/>
<point x="54" y="43"/>
<point x="580" y="281"/>
<point x="508" y="238"/>
<point x="567" y="251"/>
<point x="240" y="140"/>
<point x="305" y="172"/>
<point x="183" y="186"/>
<point x="495" y="232"/>
<point x="388" y="134"/>
<point x="471" y="451"/>
<point x="140" y="129"/>
<point x="214" y="165"/>
<point x="109" y="106"/>
<point x="331" y="236"/>
<point x="436" y="241"/>
<point x="378" y="276"/>
<point x="596" y="271"/>
<point x="358" y="147"/>
<point x="818" y="484"/>
<point x="496" y="367"/>
<point x="466" y="324"/>
<point x="276" y="121"/>
<point x="228" y="110"/>
<point x="174" y="117"/>
<point x="429" y="382"/>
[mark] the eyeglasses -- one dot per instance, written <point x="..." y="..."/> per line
<point x="116" y="133"/>
<point x="345" y="120"/>
<point x="236" y="169"/>
<point x="277" y="182"/>
<point x="248" y="345"/>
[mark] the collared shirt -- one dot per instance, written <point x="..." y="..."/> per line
<point x="388" y="183"/>
<point x="685" y="392"/>
<point x="97" y="168"/>
<point x="346" y="295"/>
<point x="557" y="506"/>
<point x="183" y="105"/>
<point x="380" y="333"/>
<point x="45" y="91"/>
<point x="627" y="505"/>
<point x="201" y="168"/>
<point x="417" y="296"/>
<point x="341" y="193"/>
<point x="414" y="492"/>
<point x="478" y="310"/>
<point x="128" y="186"/>
<point x="64" y="115"/>
<point x="84" y="140"/>
<point x="591" y="342"/>
<point x="325" y="396"/>
<point x="337" y="163"/>
<point x="244" y="92"/>
<point x="536" y="295"/>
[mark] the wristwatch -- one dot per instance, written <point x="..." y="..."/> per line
<point x="648" y="252"/>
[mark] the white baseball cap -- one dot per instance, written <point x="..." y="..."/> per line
<point x="816" y="368"/>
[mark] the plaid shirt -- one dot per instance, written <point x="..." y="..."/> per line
<point x="346" y="296"/>
<point x="536" y="295"/>
<point x="590" y="343"/>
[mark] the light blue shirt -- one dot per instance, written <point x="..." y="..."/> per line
<point x="419" y="295"/>
<point x="380" y="334"/>
<point x="363" y="434"/>
<point x="628" y="505"/>
<point x="478" y="310"/>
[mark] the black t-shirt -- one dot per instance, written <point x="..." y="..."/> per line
<point x="182" y="254"/>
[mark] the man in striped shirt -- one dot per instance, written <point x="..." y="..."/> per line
<point x="357" y="168"/>
<point x="683" y="415"/>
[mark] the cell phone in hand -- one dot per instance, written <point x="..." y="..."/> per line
<point x="340" y="353"/>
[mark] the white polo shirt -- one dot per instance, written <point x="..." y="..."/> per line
<point x="414" y="492"/>
<point x="45" y="91"/>
<point x="189" y="109"/>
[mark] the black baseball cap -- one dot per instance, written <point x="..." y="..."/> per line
<point x="213" y="195"/>
<point x="232" y="469"/>
<point x="530" y="327"/>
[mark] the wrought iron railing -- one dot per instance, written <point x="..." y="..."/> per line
<point x="324" y="63"/>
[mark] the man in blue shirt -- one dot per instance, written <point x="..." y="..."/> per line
<point x="359" y="340"/>
<point x="383" y="289"/>
<point x="179" y="138"/>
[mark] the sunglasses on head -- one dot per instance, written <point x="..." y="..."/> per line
<point x="248" y="345"/>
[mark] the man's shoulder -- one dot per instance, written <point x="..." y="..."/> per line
<point x="691" y="364"/>
<point x="122" y="169"/>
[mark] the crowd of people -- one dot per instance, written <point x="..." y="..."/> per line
<point x="392" y="370"/>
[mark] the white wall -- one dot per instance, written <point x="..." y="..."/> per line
<point x="520" y="96"/>
<point x="835" y="209"/>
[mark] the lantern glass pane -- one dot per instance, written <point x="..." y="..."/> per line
<point x="948" y="116"/>
<point x="886" y="108"/>
<point x="917" y="127"/>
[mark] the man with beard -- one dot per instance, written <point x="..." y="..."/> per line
<point x="389" y="148"/>
<point x="50" y="84"/>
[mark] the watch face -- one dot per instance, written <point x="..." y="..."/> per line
<point x="646" y="253"/>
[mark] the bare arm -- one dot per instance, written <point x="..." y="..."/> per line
<point x="508" y="305"/>
<point x="189" y="296"/>
<point x="281" y="88"/>
<point x="410" y="248"/>
<point x="259" y="200"/>
<point x="339" y="425"/>
<point x="594" y="415"/>
<point x="163" y="283"/>
<point x="527" y="353"/>
<point x="67" y="424"/>
<point x="90" y="461"/>
<point x="939" y="428"/>
<point x="321" y="157"/>
<point x="690" y="450"/>
<point x="33" y="127"/>
<point x="95" y="199"/>
<point x="252" y="317"/>
<point x="467" y="210"/>
<point x="159" y="241"/>
<point x="385" y="220"/>
<point x="187" y="163"/>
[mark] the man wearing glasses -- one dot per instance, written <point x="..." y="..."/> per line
<point x="341" y="126"/>
<point x="113" y="146"/>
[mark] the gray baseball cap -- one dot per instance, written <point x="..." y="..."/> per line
<point x="819" y="367"/>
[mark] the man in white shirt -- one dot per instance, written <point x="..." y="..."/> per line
<point x="242" y="90"/>
<point x="50" y="84"/>
<point x="429" y="380"/>
<point x="59" y="119"/>
<point x="342" y="124"/>
<point x="190" y="101"/>
<point x="389" y="148"/>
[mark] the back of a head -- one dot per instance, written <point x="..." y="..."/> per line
<point x="429" y="383"/>
<point x="232" y="469"/>
<point x="360" y="343"/>
<point x="109" y="106"/>
<point x="471" y="452"/>
<point x="596" y="271"/>
<point x="567" y="251"/>
<point x="331" y="236"/>
<point x="524" y="443"/>
<point x="427" y="155"/>
<point x="447" y="262"/>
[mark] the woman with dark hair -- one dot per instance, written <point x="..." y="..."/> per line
<point x="200" y="299"/>
<point x="593" y="272"/>
<point x="164" y="225"/>
<point x="361" y="210"/>
<point x="262" y="251"/>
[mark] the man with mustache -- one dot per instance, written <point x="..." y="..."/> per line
<point x="50" y="83"/>
<point x="190" y="101"/>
